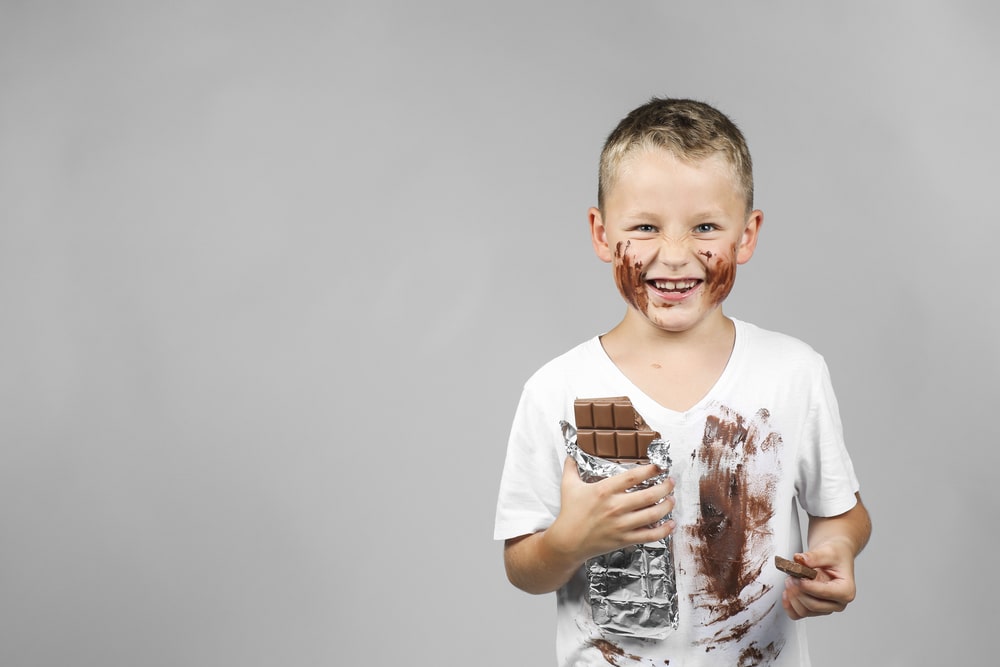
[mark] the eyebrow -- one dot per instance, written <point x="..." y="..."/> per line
<point x="640" y="215"/>
<point x="649" y="215"/>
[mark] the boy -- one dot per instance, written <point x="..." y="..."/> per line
<point x="750" y="416"/>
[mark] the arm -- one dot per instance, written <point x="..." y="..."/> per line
<point x="594" y="519"/>
<point x="834" y="543"/>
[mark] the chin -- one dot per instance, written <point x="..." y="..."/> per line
<point x="673" y="326"/>
<point x="675" y="323"/>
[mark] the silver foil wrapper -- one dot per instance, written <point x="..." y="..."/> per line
<point x="632" y="591"/>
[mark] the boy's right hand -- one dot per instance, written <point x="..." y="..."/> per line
<point x="598" y="517"/>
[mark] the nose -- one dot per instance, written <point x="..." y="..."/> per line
<point x="673" y="253"/>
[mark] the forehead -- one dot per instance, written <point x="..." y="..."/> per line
<point x="652" y="175"/>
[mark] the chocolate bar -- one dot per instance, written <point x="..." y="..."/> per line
<point x="794" y="568"/>
<point x="612" y="429"/>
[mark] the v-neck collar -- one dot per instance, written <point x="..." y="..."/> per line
<point x="636" y="394"/>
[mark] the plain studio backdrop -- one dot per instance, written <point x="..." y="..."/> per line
<point x="272" y="275"/>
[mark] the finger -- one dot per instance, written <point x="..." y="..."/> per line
<point x="792" y="606"/>
<point x="837" y="591"/>
<point x="636" y="497"/>
<point x="651" y="532"/>
<point x="821" y="559"/>
<point x="816" y="607"/>
<point x="786" y="603"/>
<point x="792" y="600"/>
<point x="642" y="517"/>
<point x="635" y="476"/>
<point x="635" y="508"/>
<point x="654" y="495"/>
<point x="813" y="559"/>
<point x="812" y="605"/>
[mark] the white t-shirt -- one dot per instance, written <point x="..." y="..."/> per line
<point x="767" y="434"/>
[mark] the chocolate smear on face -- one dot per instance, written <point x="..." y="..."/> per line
<point x="629" y="278"/>
<point x="719" y="276"/>
<point x="730" y="538"/>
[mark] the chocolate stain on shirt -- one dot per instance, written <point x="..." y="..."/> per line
<point x="736" y="633"/>
<point x="730" y="538"/>
<point x="612" y="652"/>
<point x="629" y="278"/>
<point x="755" y="656"/>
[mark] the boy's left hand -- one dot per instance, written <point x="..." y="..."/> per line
<point x="832" y="589"/>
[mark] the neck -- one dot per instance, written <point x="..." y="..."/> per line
<point x="640" y="332"/>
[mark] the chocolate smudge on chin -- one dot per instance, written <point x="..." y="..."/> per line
<point x="730" y="538"/>
<point x="629" y="278"/>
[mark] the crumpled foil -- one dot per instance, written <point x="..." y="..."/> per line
<point x="633" y="591"/>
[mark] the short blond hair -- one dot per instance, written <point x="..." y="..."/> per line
<point x="689" y="129"/>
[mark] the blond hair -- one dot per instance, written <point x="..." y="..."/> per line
<point x="689" y="129"/>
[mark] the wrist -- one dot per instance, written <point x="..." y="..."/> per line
<point x="558" y="551"/>
<point x="842" y="544"/>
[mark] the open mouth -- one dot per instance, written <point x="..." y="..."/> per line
<point x="674" y="286"/>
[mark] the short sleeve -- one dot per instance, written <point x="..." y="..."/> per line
<point x="826" y="483"/>
<point x="529" y="495"/>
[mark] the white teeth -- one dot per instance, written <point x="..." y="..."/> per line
<point x="671" y="285"/>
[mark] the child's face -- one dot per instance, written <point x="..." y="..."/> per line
<point x="674" y="232"/>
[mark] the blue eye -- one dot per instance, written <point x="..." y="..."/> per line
<point x="705" y="227"/>
<point x="645" y="228"/>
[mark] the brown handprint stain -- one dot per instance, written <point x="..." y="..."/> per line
<point x="730" y="538"/>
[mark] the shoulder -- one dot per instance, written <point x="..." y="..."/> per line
<point x="576" y="361"/>
<point x="781" y="355"/>
<point x="773" y="343"/>
<point x="572" y="373"/>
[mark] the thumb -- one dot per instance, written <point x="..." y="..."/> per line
<point x="808" y="558"/>
<point x="571" y="474"/>
<point x="820" y="560"/>
<point x="811" y="560"/>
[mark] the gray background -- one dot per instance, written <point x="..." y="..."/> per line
<point x="272" y="274"/>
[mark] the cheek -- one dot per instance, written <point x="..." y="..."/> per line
<point x="720" y="275"/>
<point x="628" y="278"/>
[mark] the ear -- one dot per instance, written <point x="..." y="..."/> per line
<point x="598" y="235"/>
<point x="748" y="241"/>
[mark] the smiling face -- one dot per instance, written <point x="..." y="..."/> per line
<point x="674" y="232"/>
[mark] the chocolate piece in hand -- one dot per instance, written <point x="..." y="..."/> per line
<point x="611" y="429"/>
<point x="794" y="569"/>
